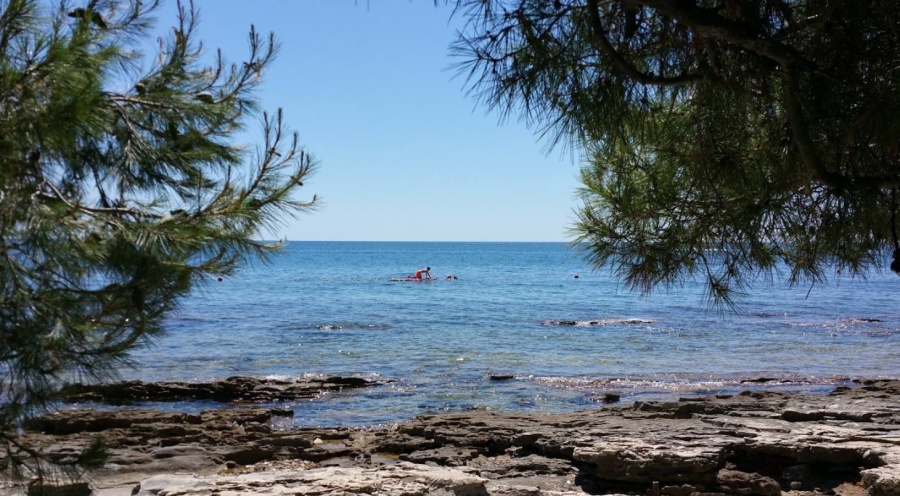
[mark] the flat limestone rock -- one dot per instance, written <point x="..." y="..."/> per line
<point x="403" y="478"/>
<point x="754" y="443"/>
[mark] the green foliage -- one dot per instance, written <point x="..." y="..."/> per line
<point x="724" y="139"/>
<point x="122" y="186"/>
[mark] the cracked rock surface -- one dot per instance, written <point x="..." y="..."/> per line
<point x="756" y="443"/>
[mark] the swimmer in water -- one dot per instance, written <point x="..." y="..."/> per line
<point x="423" y="274"/>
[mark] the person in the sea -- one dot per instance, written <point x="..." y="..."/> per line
<point x="423" y="273"/>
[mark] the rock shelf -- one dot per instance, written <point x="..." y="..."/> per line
<point x="230" y="390"/>
<point x="845" y="443"/>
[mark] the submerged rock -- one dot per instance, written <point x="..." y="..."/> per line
<point x="599" y="322"/>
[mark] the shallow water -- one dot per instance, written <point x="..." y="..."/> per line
<point x="328" y="308"/>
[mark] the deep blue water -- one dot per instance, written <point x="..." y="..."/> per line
<point x="328" y="308"/>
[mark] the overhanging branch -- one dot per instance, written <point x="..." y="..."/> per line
<point x="708" y="23"/>
<point x="622" y="65"/>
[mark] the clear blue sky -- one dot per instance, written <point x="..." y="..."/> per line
<point x="404" y="153"/>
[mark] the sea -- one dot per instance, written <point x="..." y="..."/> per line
<point x="519" y="327"/>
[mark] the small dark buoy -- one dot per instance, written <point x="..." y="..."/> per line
<point x="576" y="276"/>
<point x="501" y="377"/>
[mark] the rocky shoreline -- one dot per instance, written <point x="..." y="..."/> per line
<point x="761" y="443"/>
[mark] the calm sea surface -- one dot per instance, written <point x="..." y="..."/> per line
<point x="328" y="308"/>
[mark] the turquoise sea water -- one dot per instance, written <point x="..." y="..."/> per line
<point x="328" y="308"/>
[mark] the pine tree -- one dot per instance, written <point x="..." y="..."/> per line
<point x="122" y="186"/>
<point x="725" y="140"/>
